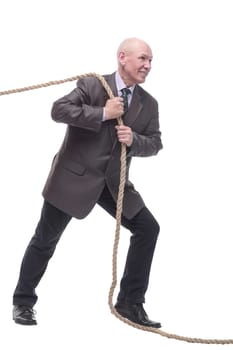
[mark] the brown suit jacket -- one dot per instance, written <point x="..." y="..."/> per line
<point x="89" y="157"/>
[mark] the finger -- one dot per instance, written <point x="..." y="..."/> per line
<point x="121" y="127"/>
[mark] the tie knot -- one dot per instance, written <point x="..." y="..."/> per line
<point x="125" y="91"/>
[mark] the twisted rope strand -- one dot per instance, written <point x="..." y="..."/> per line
<point x="58" y="82"/>
<point x="118" y="220"/>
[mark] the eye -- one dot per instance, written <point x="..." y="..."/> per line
<point x="145" y="58"/>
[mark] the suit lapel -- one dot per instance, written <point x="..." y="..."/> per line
<point x="134" y="108"/>
<point x="110" y="79"/>
<point x="136" y="103"/>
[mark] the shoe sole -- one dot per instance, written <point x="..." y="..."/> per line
<point x="25" y="323"/>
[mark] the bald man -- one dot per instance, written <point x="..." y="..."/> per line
<point x="86" y="171"/>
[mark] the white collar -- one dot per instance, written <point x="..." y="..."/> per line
<point x="120" y="84"/>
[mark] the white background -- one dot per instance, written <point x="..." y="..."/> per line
<point x="188" y="186"/>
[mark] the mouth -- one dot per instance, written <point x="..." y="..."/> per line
<point x="143" y="73"/>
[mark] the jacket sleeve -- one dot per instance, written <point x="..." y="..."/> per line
<point x="75" y="109"/>
<point x="147" y="143"/>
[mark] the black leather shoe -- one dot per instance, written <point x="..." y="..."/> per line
<point x="136" y="314"/>
<point x="24" y="315"/>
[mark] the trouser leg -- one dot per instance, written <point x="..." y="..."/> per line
<point x="145" y="231"/>
<point x="40" y="249"/>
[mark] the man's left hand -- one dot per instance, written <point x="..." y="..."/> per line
<point x="124" y="134"/>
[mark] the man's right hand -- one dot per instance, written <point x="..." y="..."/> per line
<point x="114" y="108"/>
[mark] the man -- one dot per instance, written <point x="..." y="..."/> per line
<point x="86" y="170"/>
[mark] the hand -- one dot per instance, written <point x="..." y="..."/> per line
<point x="124" y="134"/>
<point x="114" y="108"/>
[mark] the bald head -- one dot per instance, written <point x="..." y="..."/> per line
<point x="129" y="45"/>
<point x="134" y="58"/>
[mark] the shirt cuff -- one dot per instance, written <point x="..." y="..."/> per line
<point x="103" y="116"/>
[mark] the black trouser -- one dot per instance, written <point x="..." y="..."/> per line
<point x="53" y="221"/>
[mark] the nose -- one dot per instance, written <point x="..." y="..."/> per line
<point x="147" y="64"/>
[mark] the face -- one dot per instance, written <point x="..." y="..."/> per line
<point x="135" y="63"/>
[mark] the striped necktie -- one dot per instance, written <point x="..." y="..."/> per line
<point x="124" y="94"/>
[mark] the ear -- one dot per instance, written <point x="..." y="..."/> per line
<point x="121" y="58"/>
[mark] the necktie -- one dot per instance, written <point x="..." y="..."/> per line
<point x="124" y="94"/>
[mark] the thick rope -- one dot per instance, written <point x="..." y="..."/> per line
<point x="118" y="220"/>
<point x="43" y="85"/>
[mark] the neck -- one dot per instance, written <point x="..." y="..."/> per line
<point x="123" y="76"/>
